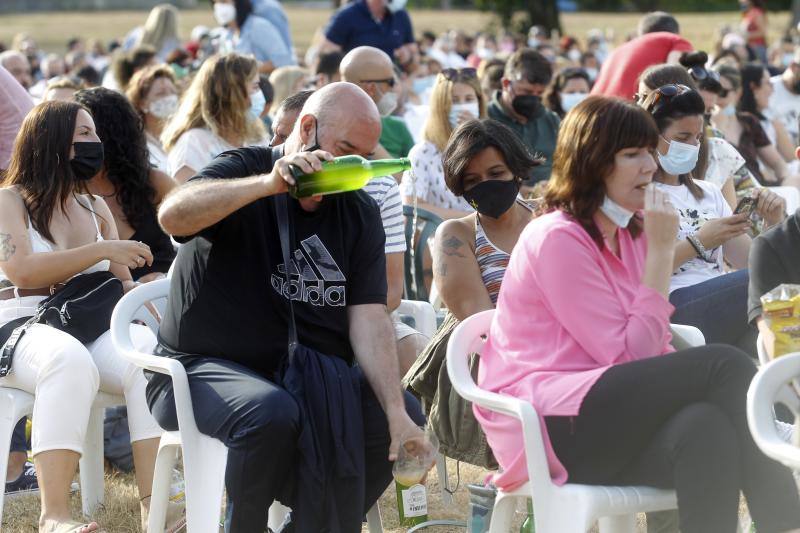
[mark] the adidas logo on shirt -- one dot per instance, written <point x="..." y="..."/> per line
<point x="314" y="277"/>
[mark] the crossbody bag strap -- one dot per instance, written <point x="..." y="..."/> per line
<point x="282" y="215"/>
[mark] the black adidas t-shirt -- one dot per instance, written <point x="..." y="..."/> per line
<point x="228" y="296"/>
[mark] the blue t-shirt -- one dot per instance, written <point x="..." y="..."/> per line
<point x="273" y="12"/>
<point x="262" y="39"/>
<point x="353" y="26"/>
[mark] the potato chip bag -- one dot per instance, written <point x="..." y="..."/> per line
<point x="781" y="312"/>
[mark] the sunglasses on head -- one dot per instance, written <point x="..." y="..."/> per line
<point x="702" y="74"/>
<point x="664" y="94"/>
<point x="453" y="74"/>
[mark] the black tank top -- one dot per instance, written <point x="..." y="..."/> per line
<point x="150" y="233"/>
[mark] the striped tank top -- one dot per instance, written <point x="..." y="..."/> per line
<point x="492" y="260"/>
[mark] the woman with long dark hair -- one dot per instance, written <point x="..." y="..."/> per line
<point x="756" y="92"/>
<point x="582" y="332"/>
<point x="131" y="188"/>
<point x="51" y="231"/>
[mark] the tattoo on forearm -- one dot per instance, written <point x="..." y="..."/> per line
<point x="451" y="245"/>
<point x="6" y="248"/>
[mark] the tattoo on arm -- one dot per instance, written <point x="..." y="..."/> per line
<point x="6" y="248"/>
<point x="451" y="246"/>
<point x="440" y="270"/>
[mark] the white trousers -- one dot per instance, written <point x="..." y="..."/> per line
<point x="64" y="376"/>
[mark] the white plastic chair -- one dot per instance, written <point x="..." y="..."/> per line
<point x="425" y="322"/>
<point x="570" y="508"/>
<point x="769" y="386"/>
<point x="684" y="337"/>
<point x="204" y="458"/>
<point x="14" y="404"/>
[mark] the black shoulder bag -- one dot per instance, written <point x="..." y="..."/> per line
<point x="82" y="308"/>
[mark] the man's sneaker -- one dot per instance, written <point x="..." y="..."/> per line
<point x="25" y="484"/>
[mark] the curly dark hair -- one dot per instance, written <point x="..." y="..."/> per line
<point x="127" y="161"/>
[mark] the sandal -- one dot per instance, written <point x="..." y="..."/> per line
<point x="73" y="527"/>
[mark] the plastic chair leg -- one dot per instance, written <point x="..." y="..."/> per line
<point x="91" y="463"/>
<point x="618" y="524"/>
<point x="7" y="424"/>
<point x="162" y="479"/>
<point x="374" y="522"/>
<point x="444" y="481"/>
<point x="503" y="513"/>
<point x="204" y="461"/>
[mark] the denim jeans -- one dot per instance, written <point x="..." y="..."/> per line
<point x="718" y="308"/>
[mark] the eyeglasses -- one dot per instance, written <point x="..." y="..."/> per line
<point x="664" y="94"/>
<point x="453" y="74"/>
<point x="389" y="81"/>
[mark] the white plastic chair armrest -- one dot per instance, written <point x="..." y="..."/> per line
<point x="686" y="336"/>
<point x="764" y="389"/>
<point x="124" y="313"/>
<point x="423" y="313"/>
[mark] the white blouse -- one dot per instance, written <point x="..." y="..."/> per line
<point x="425" y="180"/>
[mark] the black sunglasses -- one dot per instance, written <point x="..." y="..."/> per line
<point x="389" y="81"/>
<point x="702" y="74"/>
<point x="664" y="94"/>
<point x="453" y="74"/>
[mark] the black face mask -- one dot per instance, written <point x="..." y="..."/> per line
<point x="88" y="160"/>
<point x="493" y="197"/>
<point x="527" y="105"/>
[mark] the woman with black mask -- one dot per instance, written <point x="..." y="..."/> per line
<point x="483" y="163"/>
<point x="51" y="231"/>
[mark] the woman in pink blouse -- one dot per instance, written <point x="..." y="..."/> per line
<point x="582" y="332"/>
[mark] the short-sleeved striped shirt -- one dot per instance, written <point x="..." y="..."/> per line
<point x="386" y="194"/>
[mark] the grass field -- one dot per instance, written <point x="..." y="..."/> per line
<point x="52" y="30"/>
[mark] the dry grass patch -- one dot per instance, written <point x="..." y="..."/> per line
<point x="52" y="30"/>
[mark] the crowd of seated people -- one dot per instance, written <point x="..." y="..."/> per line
<point x="590" y="192"/>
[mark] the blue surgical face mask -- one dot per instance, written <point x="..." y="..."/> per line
<point x="570" y="100"/>
<point x="729" y="110"/>
<point x="257" y="103"/>
<point x="681" y="158"/>
<point x="420" y="85"/>
<point x="471" y="108"/>
<point x="616" y="213"/>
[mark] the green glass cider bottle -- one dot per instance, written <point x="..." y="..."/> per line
<point x="528" y="525"/>
<point x="346" y="173"/>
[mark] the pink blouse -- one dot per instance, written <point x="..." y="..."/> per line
<point x="15" y="102"/>
<point x="567" y="312"/>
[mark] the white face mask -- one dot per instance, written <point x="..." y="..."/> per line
<point x="164" y="107"/>
<point x="395" y="5"/>
<point x="574" y="55"/>
<point x="681" y="158"/>
<point x="457" y="109"/>
<point x="592" y="72"/>
<point x="387" y="103"/>
<point x="570" y="100"/>
<point x="616" y="213"/>
<point x="224" y="13"/>
<point x="729" y="110"/>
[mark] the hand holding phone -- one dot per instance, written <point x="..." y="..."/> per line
<point x="746" y="206"/>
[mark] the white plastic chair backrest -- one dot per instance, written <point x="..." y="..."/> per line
<point x="684" y="337"/>
<point x="468" y="338"/>
<point x="791" y="195"/>
<point x="761" y="348"/>
<point x="423" y="314"/>
<point x="128" y="309"/>
<point x="764" y="391"/>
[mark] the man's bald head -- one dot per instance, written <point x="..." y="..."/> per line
<point x="19" y="67"/>
<point x="366" y="63"/>
<point x="341" y="118"/>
